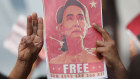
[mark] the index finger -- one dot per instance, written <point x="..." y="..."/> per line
<point x="103" y="32"/>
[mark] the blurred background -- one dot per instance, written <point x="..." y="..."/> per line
<point x="117" y="15"/>
<point x="14" y="12"/>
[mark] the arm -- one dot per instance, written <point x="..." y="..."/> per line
<point x="108" y="50"/>
<point x="29" y="48"/>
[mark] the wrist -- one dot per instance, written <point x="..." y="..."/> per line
<point x="24" y="65"/>
<point x="23" y="62"/>
<point x="118" y="65"/>
<point x="27" y="60"/>
<point x="120" y="71"/>
<point x="23" y="69"/>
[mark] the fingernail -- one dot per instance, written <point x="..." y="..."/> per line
<point x="97" y="41"/>
<point x="34" y="13"/>
<point x="94" y="24"/>
<point x="29" y="17"/>
<point x="40" y="20"/>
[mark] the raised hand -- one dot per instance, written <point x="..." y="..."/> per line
<point x="31" y="44"/>
<point x="29" y="48"/>
<point x="108" y="50"/>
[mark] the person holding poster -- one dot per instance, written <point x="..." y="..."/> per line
<point x="57" y="43"/>
<point x="32" y="43"/>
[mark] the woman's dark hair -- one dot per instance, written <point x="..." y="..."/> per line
<point x="62" y="9"/>
<point x="138" y="36"/>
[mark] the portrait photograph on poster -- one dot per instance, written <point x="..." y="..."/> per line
<point x="70" y="39"/>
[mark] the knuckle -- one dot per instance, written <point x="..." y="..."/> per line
<point x="97" y="49"/>
<point x="113" y="43"/>
<point x="107" y="48"/>
<point x="23" y="38"/>
<point x="97" y="42"/>
<point x="103" y="31"/>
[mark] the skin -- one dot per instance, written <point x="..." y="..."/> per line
<point x="108" y="50"/>
<point x="29" y="48"/>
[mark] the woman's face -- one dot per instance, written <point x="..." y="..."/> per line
<point x="74" y="23"/>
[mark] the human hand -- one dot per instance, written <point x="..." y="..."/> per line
<point x="31" y="44"/>
<point x="107" y="49"/>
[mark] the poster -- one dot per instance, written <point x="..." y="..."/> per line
<point x="70" y="39"/>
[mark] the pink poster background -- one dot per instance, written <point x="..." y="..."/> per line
<point x="52" y="47"/>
